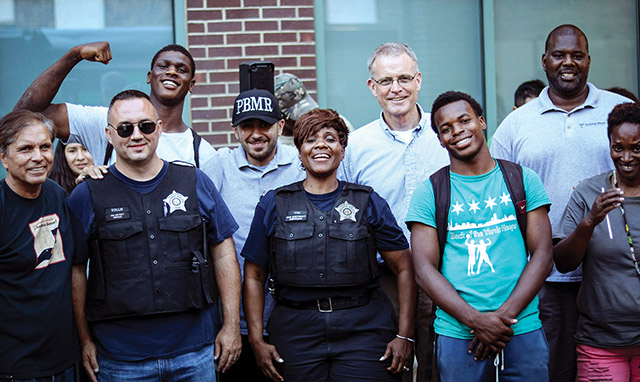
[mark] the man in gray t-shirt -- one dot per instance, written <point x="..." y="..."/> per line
<point x="562" y="135"/>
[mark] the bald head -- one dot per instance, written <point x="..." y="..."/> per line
<point x="565" y="30"/>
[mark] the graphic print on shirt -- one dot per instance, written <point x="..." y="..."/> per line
<point x="476" y="226"/>
<point x="47" y="241"/>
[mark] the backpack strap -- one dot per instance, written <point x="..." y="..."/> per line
<point x="197" y="139"/>
<point x="512" y="174"/>
<point x="441" y="184"/>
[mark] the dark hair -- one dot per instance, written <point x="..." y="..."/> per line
<point x="128" y="94"/>
<point x="176" y="48"/>
<point x="450" y="97"/>
<point x="12" y="123"/>
<point x="313" y="121"/>
<point x="623" y="113"/>
<point x="529" y="89"/>
<point x="565" y="29"/>
<point x="60" y="171"/>
<point x="624" y="92"/>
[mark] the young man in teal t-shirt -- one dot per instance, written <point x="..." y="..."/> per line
<point x="484" y="284"/>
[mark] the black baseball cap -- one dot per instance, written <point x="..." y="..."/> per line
<point x="256" y="103"/>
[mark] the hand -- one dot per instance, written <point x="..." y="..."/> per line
<point x="604" y="203"/>
<point x="265" y="355"/>
<point x="493" y="330"/>
<point x="95" y="51"/>
<point x="228" y="346"/>
<point x="90" y="360"/>
<point x="93" y="172"/>
<point x="401" y="350"/>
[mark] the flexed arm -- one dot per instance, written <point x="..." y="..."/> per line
<point x="41" y="92"/>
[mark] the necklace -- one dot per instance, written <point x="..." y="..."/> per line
<point x="626" y="228"/>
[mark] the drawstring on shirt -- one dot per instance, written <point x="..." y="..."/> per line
<point x="499" y="364"/>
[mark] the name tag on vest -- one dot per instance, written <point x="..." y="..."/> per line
<point x="296" y="216"/>
<point x="116" y="213"/>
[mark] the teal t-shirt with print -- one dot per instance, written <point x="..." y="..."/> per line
<point x="484" y="253"/>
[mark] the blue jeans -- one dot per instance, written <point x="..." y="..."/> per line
<point x="194" y="366"/>
<point x="63" y="376"/>
<point x="525" y="359"/>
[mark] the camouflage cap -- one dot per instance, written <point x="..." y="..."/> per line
<point x="293" y="98"/>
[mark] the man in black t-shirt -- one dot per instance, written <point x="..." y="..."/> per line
<point x="37" y="332"/>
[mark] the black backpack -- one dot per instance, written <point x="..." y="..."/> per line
<point x="441" y="182"/>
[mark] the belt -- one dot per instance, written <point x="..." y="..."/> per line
<point x="328" y="304"/>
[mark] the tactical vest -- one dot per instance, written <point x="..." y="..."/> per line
<point x="148" y="252"/>
<point x="312" y="248"/>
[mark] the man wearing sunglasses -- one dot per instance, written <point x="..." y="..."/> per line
<point x="394" y="154"/>
<point x="171" y="78"/>
<point x="159" y="237"/>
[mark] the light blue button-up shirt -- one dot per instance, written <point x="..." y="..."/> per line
<point x="376" y="157"/>
<point x="241" y="185"/>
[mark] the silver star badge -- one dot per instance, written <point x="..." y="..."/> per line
<point x="175" y="201"/>
<point x="347" y="211"/>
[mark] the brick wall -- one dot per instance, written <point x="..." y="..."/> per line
<point x="221" y="34"/>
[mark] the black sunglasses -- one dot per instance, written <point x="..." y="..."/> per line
<point x="125" y="129"/>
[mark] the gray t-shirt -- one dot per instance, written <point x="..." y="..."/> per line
<point x="609" y="297"/>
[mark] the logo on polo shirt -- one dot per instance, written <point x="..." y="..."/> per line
<point x="252" y="104"/>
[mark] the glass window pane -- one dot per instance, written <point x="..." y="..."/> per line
<point x="521" y="28"/>
<point x="445" y="36"/>
<point x="35" y="33"/>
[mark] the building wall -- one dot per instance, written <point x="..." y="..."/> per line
<point x="221" y="34"/>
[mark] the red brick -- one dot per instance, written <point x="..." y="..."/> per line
<point x="260" y="3"/>
<point x="225" y="76"/>
<point x="199" y="102"/>
<point x="304" y="73"/>
<point x="308" y="61"/>
<point x="194" y="3"/>
<point x="298" y="49"/>
<point x="233" y="64"/>
<point x="197" y="52"/>
<point x="211" y="64"/>
<point x="209" y="114"/>
<point x="296" y="2"/>
<point x="223" y="3"/>
<point x="195" y="28"/>
<point x="242" y="13"/>
<point x="217" y="139"/>
<point x="200" y="77"/>
<point x="280" y="37"/>
<point x="234" y="87"/>
<point x="278" y="12"/>
<point x="307" y="37"/>
<point x="261" y="25"/>
<point x="297" y="25"/>
<point x="281" y="62"/>
<point x="209" y="39"/>
<point x="222" y="101"/>
<point x="244" y="38"/>
<point x="305" y="12"/>
<point x="204" y="15"/>
<point x="261" y="50"/>
<point x="225" y="51"/>
<point x="222" y="126"/>
<point x="311" y="87"/>
<point x="200" y="127"/>
<point x="202" y="89"/>
<point x="224" y="26"/>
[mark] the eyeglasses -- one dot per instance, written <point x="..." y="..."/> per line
<point x="403" y="80"/>
<point x="125" y="129"/>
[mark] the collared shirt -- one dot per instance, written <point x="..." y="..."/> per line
<point x="376" y="157"/>
<point x="562" y="147"/>
<point x="242" y="184"/>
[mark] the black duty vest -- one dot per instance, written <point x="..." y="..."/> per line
<point x="312" y="248"/>
<point x="148" y="251"/>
